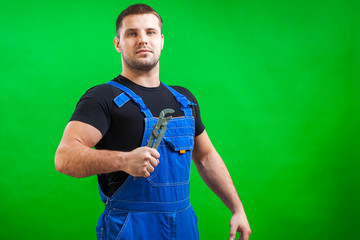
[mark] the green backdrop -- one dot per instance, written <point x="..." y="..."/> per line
<point x="279" y="94"/>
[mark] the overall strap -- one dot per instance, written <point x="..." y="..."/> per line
<point x="185" y="103"/>
<point x="136" y="98"/>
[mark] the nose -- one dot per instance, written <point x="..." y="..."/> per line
<point x="143" y="39"/>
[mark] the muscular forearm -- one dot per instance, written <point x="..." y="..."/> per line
<point x="76" y="157"/>
<point x="77" y="160"/>
<point x="216" y="176"/>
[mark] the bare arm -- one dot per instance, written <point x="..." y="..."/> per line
<point x="215" y="174"/>
<point x="76" y="157"/>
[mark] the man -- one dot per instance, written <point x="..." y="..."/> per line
<point x="145" y="191"/>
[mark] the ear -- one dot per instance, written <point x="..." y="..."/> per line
<point x="162" y="41"/>
<point x="117" y="44"/>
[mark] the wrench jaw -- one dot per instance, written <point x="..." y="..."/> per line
<point x="161" y="126"/>
<point x="166" y="111"/>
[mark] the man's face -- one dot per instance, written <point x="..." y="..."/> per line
<point x="141" y="41"/>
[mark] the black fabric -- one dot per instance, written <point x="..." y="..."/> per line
<point x="123" y="128"/>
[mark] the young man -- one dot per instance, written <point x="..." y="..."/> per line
<point x="145" y="191"/>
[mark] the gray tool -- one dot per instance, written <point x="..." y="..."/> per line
<point x="161" y="126"/>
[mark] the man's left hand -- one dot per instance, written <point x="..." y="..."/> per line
<point x="239" y="223"/>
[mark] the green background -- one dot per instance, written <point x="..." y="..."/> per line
<point x="278" y="85"/>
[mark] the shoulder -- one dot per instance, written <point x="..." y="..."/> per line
<point x="95" y="107"/>
<point x="102" y="91"/>
<point x="185" y="92"/>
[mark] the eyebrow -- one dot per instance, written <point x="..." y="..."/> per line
<point x="135" y="29"/>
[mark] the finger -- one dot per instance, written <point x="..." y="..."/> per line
<point x="146" y="174"/>
<point x="154" y="153"/>
<point x="150" y="168"/>
<point x="245" y="236"/>
<point x="153" y="162"/>
<point x="232" y="233"/>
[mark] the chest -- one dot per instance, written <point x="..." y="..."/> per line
<point x="127" y="122"/>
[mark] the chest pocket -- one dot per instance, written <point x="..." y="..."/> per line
<point x="175" y="161"/>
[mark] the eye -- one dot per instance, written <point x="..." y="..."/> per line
<point x="151" y="32"/>
<point x="131" y="34"/>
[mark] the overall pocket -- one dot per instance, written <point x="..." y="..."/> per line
<point x="117" y="221"/>
<point x="175" y="162"/>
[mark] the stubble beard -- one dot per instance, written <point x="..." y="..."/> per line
<point x="138" y="65"/>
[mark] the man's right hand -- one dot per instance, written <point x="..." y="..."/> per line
<point x="141" y="161"/>
<point x="76" y="157"/>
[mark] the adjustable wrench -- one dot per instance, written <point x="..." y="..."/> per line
<point x="161" y="126"/>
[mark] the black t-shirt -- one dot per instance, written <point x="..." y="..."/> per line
<point x="122" y="128"/>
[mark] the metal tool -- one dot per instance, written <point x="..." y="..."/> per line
<point x="161" y="126"/>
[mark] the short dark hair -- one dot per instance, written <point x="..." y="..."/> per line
<point x="133" y="10"/>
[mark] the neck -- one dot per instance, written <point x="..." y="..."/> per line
<point x="146" y="78"/>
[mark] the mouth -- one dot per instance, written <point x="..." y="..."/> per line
<point x="143" y="50"/>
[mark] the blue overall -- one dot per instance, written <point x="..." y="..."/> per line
<point x="157" y="207"/>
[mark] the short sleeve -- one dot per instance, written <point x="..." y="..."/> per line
<point x="94" y="108"/>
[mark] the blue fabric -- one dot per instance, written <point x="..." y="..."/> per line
<point x="157" y="207"/>
<point x="134" y="97"/>
<point x="121" y="99"/>
<point x="185" y="103"/>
